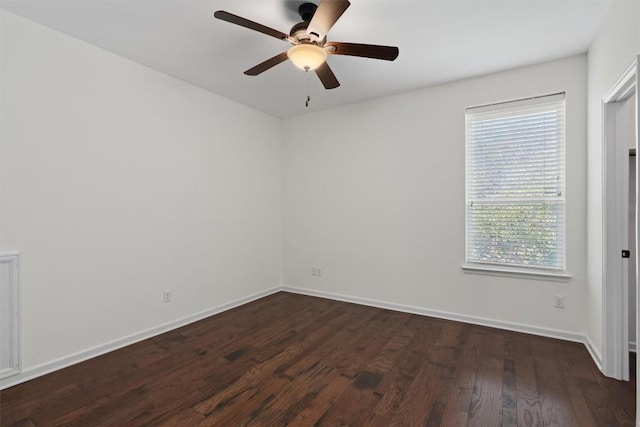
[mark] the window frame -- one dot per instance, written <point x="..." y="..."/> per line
<point x="504" y="269"/>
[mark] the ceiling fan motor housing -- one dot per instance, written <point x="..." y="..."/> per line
<point x="299" y="34"/>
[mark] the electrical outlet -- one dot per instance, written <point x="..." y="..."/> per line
<point x="559" y="301"/>
<point x="166" y="296"/>
<point x="316" y="271"/>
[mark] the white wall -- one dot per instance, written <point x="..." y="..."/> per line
<point x="118" y="182"/>
<point x="374" y="195"/>
<point x="612" y="51"/>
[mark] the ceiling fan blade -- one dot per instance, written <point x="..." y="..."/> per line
<point x="264" y="66"/>
<point x="238" y="20"/>
<point x="325" y="16"/>
<point x="388" y="53"/>
<point x="326" y="76"/>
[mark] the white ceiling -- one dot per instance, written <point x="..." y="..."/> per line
<point x="439" y="41"/>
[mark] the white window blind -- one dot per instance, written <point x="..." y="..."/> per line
<point x="515" y="159"/>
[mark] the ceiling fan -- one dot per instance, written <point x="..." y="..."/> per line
<point x="308" y="38"/>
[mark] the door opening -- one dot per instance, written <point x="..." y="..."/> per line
<point x="619" y="128"/>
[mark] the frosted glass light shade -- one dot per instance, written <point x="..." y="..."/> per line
<point x="307" y="56"/>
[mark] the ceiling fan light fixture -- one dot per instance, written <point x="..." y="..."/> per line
<point x="307" y="56"/>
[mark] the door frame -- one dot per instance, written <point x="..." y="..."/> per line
<point x="615" y="290"/>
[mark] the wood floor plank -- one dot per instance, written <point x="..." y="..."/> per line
<point x="246" y="404"/>
<point x="183" y="417"/>
<point x="467" y="353"/>
<point x="555" y="412"/>
<point x="423" y="366"/>
<point x="247" y="381"/>
<point x="572" y="378"/>
<point x="527" y="400"/>
<point x="393" y="384"/>
<point x="487" y="399"/>
<point x="296" y="360"/>
<point x="333" y="333"/>
<point x="23" y="423"/>
<point x="416" y="403"/>
<point x="364" y="391"/>
<point x="313" y="409"/>
<point x="308" y="385"/>
<point x="509" y="400"/>
<point x="367" y="342"/>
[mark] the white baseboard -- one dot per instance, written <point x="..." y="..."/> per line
<point x="72" y="359"/>
<point x="593" y="351"/>
<point x="516" y="327"/>
<point x="510" y="326"/>
<point x="89" y="353"/>
<point x="632" y="346"/>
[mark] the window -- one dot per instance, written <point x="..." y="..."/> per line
<point x="515" y="197"/>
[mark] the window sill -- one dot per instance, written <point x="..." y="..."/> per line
<point x="491" y="270"/>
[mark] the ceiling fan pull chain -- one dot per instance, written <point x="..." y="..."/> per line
<point x="306" y="104"/>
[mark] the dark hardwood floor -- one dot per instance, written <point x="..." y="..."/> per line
<point x="301" y="361"/>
